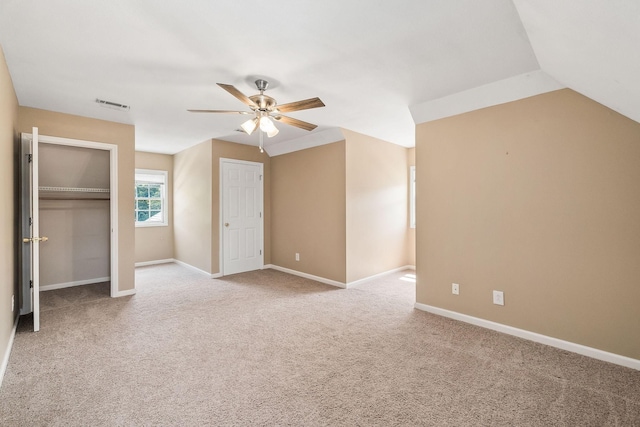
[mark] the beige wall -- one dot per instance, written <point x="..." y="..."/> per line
<point x="75" y="127"/>
<point x="251" y="153"/>
<point x="192" y="206"/>
<point x="411" y="232"/>
<point x="308" y="205"/>
<point x="537" y="198"/>
<point x="197" y="201"/>
<point x="376" y="206"/>
<point x="156" y="243"/>
<point x="8" y="216"/>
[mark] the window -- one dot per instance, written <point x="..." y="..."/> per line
<point x="412" y="196"/>
<point x="151" y="195"/>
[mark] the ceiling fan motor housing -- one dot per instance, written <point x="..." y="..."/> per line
<point x="264" y="102"/>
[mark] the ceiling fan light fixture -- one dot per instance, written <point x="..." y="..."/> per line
<point x="272" y="132"/>
<point x="266" y="125"/>
<point x="250" y="125"/>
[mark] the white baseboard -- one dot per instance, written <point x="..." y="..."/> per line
<point x="334" y="282"/>
<point x="182" y="263"/>
<point x="156" y="262"/>
<point x="7" y="352"/>
<point x="44" y="288"/>
<point x="532" y="336"/>
<point x="191" y="267"/>
<point x="384" y="273"/>
<point x="124" y="293"/>
<point x="307" y="276"/>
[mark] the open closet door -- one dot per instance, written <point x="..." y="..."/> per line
<point x="31" y="230"/>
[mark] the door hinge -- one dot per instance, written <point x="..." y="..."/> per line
<point x="30" y="283"/>
<point x="29" y="158"/>
<point x="30" y="221"/>
<point x="260" y="177"/>
<point x="260" y="251"/>
<point x="260" y="214"/>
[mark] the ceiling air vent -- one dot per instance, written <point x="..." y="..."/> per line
<point x="112" y="105"/>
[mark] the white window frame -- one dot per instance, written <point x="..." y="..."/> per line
<point x="412" y="196"/>
<point x="164" y="209"/>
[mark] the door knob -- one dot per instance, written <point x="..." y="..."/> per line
<point x="35" y="239"/>
<point x="226" y="224"/>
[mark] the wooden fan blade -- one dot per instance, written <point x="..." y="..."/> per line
<point x="221" y="111"/>
<point x="300" y="105"/>
<point x="295" y="122"/>
<point x="241" y="96"/>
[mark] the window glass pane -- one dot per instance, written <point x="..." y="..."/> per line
<point x="143" y="216"/>
<point x="154" y="191"/>
<point x="142" y="191"/>
<point x="150" y="188"/>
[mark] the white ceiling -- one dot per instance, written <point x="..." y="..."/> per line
<point x="369" y="61"/>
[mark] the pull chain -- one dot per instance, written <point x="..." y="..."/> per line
<point x="261" y="141"/>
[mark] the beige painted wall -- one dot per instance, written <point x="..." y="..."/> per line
<point x="538" y="198"/>
<point x="78" y="249"/>
<point x="376" y="206"/>
<point x="192" y="206"/>
<point x="8" y="215"/>
<point x="75" y="127"/>
<point x="251" y="153"/>
<point x="197" y="201"/>
<point x="156" y="243"/>
<point x="411" y="232"/>
<point x="308" y="207"/>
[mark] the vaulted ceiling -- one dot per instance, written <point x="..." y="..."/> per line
<point x="379" y="66"/>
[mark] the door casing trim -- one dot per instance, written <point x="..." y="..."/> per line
<point x="113" y="194"/>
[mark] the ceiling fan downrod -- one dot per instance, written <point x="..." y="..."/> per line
<point x="262" y="85"/>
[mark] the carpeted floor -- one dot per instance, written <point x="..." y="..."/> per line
<point x="267" y="348"/>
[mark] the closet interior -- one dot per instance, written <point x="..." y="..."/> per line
<point x="74" y="201"/>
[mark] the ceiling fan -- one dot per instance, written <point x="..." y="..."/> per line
<point x="264" y="108"/>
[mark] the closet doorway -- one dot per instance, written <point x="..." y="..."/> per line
<point x="69" y="216"/>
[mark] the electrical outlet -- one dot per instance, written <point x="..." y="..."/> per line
<point x="297" y="256"/>
<point x="455" y="289"/>
<point x="498" y="297"/>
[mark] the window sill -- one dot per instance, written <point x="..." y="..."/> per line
<point x="151" y="224"/>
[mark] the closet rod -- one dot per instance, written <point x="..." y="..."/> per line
<point x="75" y="198"/>
<point x="74" y="189"/>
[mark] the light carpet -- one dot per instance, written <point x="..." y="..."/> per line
<point x="267" y="348"/>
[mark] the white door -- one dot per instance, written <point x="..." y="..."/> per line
<point x="241" y="203"/>
<point x="31" y="229"/>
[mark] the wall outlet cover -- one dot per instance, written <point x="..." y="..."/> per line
<point x="455" y="289"/>
<point x="498" y="297"/>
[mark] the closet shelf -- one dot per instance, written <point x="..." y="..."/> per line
<point x="73" y="193"/>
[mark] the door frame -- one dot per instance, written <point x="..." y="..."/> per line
<point x="221" y="211"/>
<point x="113" y="194"/>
